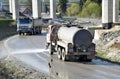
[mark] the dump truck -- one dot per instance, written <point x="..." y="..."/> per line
<point x="70" y="42"/>
<point x="29" y="25"/>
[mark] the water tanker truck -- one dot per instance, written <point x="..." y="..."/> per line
<point x="28" y="25"/>
<point x="70" y="42"/>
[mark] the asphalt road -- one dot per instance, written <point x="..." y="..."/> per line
<point x="31" y="50"/>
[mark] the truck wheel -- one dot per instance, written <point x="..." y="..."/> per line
<point x="59" y="53"/>
<point x="23" y="33"/>
<point x="19" y="33"/>
<point x="89" y="60"/>
<point x="50" y="49"/>
<point x="40" y="29"/>
<point x="32" y="32"/>
<point x="64" y="56"/>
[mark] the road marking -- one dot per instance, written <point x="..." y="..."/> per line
<point x="7" y="40"/>
<point x="6" y="45"/>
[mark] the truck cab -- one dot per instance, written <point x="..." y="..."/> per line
<point x="23" y="25"/>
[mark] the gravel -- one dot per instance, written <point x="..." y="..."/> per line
<point x="109" y="36"/>
<point x="108" y="46"/>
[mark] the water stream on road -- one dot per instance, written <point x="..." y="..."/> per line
<point x="33" y="57"/>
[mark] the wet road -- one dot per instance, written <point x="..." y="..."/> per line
<point x="31" y="50"/>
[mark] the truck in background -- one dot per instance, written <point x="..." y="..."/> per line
<point x="70" y="42"/>
<point x="29" y="25"/>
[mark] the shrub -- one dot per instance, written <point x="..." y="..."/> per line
<point x="74" y="9"/>
<point x="91" y="10"/>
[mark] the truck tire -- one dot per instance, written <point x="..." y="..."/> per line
<point x="64" y="56"/>
<point x="89" y="60"/>
<point x="50" y="49"/>
<point x="59" y="53"/>
<point x="19" y="33"/>
<point x="40" y="30"/>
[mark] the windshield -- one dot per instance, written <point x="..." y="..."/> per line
<point x="24" y="21"/>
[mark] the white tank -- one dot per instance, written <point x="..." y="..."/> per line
<point x="74" y="35"/>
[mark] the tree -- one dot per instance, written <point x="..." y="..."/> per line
<point x="74" y="9"/>
<point x="63" y="5"/>
<point x="97" y="1"/>
<point x="91" y="9"/>
<point x="81" y="3"/>
<point x="119" y="4"/>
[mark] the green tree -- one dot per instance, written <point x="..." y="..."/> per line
<point x="81" y="3"/>
<point x="119" y="4"/>
<point x="91" y="9"/>
<point x="74" y="9"/>
<point x="63" y="5"/>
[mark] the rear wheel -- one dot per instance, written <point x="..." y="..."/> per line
<point x="89" y="60"/>
<point x="59" y="53"/>
<point x="64" y="56"/>
<point x="19" y="33"/>
<point x="40" y="29"/>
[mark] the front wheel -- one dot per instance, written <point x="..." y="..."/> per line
<point x="19" y="33"/>
<point x="89" y="60"/>
<point x="59" y="53"/>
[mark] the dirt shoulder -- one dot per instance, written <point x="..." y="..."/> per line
<point x="11" y="68"/>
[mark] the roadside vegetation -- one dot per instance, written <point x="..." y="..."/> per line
<point x="7" y="27"/>
<point x="5" y="22"/>
<point x="82" y="8"/>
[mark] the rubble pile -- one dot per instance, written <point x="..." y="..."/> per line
<point x="109" y="36"/>
<point x="108" y="46"/>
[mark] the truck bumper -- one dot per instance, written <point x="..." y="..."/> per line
<point x="24" y="30"/>
<point x="88" y="54"/>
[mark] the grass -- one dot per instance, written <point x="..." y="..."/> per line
<point x="6" y="19"/>
<point x="6" y="28"/>
<point x="100" y="54"/>
<point x="5" y="22"/>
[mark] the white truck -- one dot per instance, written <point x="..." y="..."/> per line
<point x="28" y="25"/>
<point x="70" y="42"/>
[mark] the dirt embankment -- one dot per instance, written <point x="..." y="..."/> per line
<point x="108" y="46"/>
<point x="7" y="28"/>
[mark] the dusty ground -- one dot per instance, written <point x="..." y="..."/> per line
<point x="11" y="68"/>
